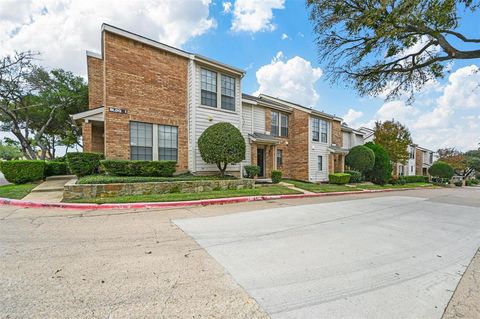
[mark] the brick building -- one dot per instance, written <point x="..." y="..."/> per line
<point x="150" y="101"/>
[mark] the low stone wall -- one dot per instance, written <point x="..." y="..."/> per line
<point x="82" y="191"/>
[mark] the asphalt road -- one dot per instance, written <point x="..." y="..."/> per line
<point x="336" y="256"/>
<point x="386" y="257"/>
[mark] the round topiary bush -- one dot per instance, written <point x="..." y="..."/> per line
<point x="360" y="158"/>
<point x="222" y="144"/>
<point x="21" y="171"/>
<point x="382" y="169"/>
<point x="441" y="169"/>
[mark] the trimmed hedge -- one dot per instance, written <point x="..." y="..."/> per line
<point x="339" y="178"/>
<point x="355" y="176"/>
<point x="382" y="169"/>
<point x="416" y="179"/>
<point x="251" y="171"/>
<point x="82" y="164"/>
<point x="53" y="168"/>
<point x="23" y="171"/>
<point x="139" y="168"/>
<point x="441" y="169"/>
<point x="360" y="158"/>
<point x="276" y="177"/>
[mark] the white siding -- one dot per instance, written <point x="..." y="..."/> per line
<point x="206" y="116"/>
<point x="346" y="140"/>
<point x="259" y="119"/>
<point x="358" y="140"/>
<point x="317" y="149"/>
<point x="247" y="128"/>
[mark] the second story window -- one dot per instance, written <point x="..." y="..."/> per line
<point x="209" y="88"/>
<point x="279" y="123"/>
<point x="319" y="130"/>
<point x="228" y="93"/>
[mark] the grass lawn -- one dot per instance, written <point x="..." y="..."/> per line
<point x="102" y="179"/>
<point x="264" y="190"/>
<point x="325" y="188"/>
<point x="408" y="185"/>
<point x="320" y="188"/>
<point x="16" y="191"/>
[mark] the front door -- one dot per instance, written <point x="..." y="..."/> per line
<point x="261" y="161"/>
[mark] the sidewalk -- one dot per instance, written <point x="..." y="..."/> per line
<point x="465" y="302"/>
<point x="50" y="191"/>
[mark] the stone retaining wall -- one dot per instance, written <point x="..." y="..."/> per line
<point x="83" y="191"/>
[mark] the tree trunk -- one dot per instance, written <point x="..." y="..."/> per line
<point x="222" y="168"/>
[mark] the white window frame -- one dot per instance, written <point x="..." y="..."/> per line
<point x="155" y="139"/>
<point x="219" y="90"/>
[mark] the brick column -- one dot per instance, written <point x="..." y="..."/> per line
<point x="87" y="136"/>
<point x="342" y="163"/>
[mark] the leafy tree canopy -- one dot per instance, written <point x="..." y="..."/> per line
<point x="360" y="158"/>
<point x="391" y="46"/>
<point x="382" y="169"/>
<point x="395" y="139"/>
<point x="222" y="144"/>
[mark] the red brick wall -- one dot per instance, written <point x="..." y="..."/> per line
<point x="151" y="85"/>
<point x="95" y="82"/>
<point x="87" y="137"/>
<point x="295" y="146"/>
<point x="337" y="137"/>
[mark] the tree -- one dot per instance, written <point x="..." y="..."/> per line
<point x="463" y="164"/>
<point x="35" y="104"/>
<point x="360" y="158"/>
<point x="441" y="169"/>
<point x="395" y="139"/>
<point x="9" y="152"/>
<point x="382" y="169"/>
<point x="390" y="46"/>
<point x="222" y="144"/>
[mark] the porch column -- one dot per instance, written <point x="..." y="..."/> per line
<point x="342" y="163"/>
<point x="87" y="136"/>
<point x="331" y="163"/>
<point x="253" y="154"/>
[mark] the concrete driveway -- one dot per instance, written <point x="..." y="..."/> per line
<point x="386" y="257"/>
<point x="337" y="256"/>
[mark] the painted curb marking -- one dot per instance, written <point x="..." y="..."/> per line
<point x="201" y="202"/>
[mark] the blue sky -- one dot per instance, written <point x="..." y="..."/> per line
<point x="271" y="39"/>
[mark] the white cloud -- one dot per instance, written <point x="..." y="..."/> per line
<point x="62" y="30"/>
<point x="254" y="15"/>
<point x="463" y="89"/>
<point x="293" y="80"/>
<point x="351" y="116"/>
<point x="227" y="7"/>
<point x="284" y="36"/>
<point x="451" y="119"/>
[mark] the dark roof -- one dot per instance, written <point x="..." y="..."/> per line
<point x="264" y="137"/>
<point x="271" y="104"/>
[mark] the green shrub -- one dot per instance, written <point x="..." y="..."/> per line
<point x="458" y="183"/>
<point x="251" y="171"/>
<point x="276" y="176"/>
<point x="382" y="169"/>
<point x="53" y="168"/>
<point x="475" y="181"/>
<point x="355" y="176"/>
<point x="397" y="181"/>
<point x="416" y="179"/>
<point x="222" y="144"/>
<point x="339" y="178"/>
<point x="22" y="171"/>
<point x="82" y="164"/>
<point x="441" y="169"/>
<point x="139" y="168"/>
<point x="360" y="158"/>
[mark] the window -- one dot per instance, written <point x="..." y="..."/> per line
<point x="141" y="139"/>
<point x="411" y="169"/>
<point x="209" y="88"/>
<point x="279" y="124"/>
<point x="320" y="163"/>
<point x="279" y="158"/>
<point x="284" y="125"/>
<point x="167" y="143"/>
<point x="274" y="122"/>
<point x="319" y="130"/>
<point x="431" y="158"/>
<point x="228" y="93"/>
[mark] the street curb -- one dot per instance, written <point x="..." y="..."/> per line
<point x="201" y="202"/>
